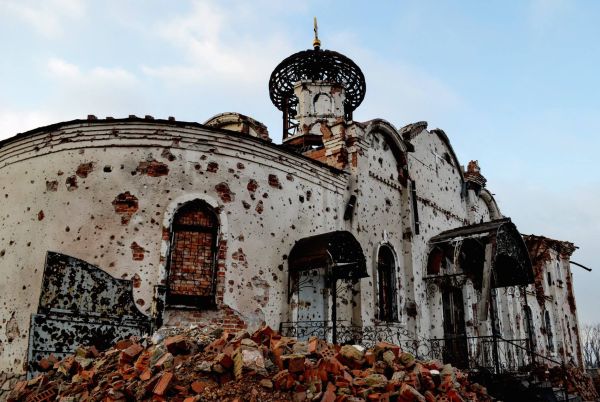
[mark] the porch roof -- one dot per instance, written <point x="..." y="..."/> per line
<point x="510" y="262"/>
<point x="338" y="250"/>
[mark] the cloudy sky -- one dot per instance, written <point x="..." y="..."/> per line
<point x="514" y="84"/>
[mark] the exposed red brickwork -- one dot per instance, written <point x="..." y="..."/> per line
<point x="225" y="317"/>
<point x="239" y="255"/>
<point x="224" y="192"/>
<point x="212" y="167"/>
<point x="52" y="185"/>
<point x="84" y="169"/>
<point x="221" y="259"/>
<point x="252" y="185"/>
<point x="231" y="320"/>
<point x="260" y="207"/>
<point x="192" y="268"/>
<point x="71" y="183"/>
<point x="137" y="252"/>
<point x="126" y="204"/>
<point x="168" y="155"/>
<point x="136" y="280"/>
<point x="326" y="131"/>
<point x="274" y="181"/>
<point x="153" y="168"/>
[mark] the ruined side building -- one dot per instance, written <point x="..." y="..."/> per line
<point x="355" y="231"/>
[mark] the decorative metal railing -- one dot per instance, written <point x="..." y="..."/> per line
<point x="344" y="332"/>
<point x="496" y="354"/>
<point x="493" y="353"/>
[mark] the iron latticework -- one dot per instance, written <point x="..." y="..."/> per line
<point x="316" y="65"/>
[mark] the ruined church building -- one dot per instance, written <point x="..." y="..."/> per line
<point x="353" y="231"/>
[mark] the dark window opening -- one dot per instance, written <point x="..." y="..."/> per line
<point x="415" y="206"/>
<point x="434" y="263"/>
<point x="192" y="259"/>
<point x="529" y="327"/>
<point x="549" y="278"/>
<point x="386" y="278"/>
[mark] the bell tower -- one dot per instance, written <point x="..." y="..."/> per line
<point x="316" y="90"/>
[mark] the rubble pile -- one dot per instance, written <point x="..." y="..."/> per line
<point x="214" y="365"/>
<point x="578" y="382"/>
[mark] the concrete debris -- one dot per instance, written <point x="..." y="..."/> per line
<point x="209" y="364"/>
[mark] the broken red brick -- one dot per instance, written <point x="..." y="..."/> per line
<point x="153" y="168"/>
<point x="71" y="183"/>
<point x="131" y="352"/>
<point x="224" y="192"/>
<point x="274" y="181"/>
<point x="177" y="344"/>
<point x="293" y="363"/>
<point x="163" y="384"/>
<point x="212" y="167"/>
<point x="123" y="344"/>
<point x="125" y="204"/>
<point x="137" y="252"/>
<point x="283" y="380"/>
<point x="84" y="169"/>
<point x="252" y="186"/>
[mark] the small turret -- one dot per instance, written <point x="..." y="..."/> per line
<point x="313" y="88"/>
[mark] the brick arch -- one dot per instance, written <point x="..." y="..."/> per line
<point x="220" y="252"/>
<point x="192" y="257"/>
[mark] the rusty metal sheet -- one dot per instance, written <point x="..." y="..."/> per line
<point x="62" y="334"/>
<point x="80" y="304"/>
<point x="70" y="284"/>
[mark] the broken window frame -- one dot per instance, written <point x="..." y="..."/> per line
<point x="387" y="288"/>
<point x="193" y="301"/>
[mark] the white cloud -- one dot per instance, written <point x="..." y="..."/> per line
<point x="402" y="94"/>
<point x="13" y="121"/>
<point x="75" y="93"/>
<point x="216" y="48"/>
<point x="98" y="77"/>
<point x="48" y="17"/>
<point x="396" y="90"/>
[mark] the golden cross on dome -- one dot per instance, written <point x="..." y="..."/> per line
<point x="316" y="41"/>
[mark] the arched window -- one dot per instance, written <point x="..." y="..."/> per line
<point x="192" y="260"/>
<point x="386" y="281"/>
<point x="549" y="332"/>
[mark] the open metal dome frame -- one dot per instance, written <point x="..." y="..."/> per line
<point x="315" y="65"/>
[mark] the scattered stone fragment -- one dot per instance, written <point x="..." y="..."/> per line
<point x="209" y="364"/>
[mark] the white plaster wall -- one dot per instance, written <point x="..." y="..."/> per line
<point x="294" y="198"/>
<point x="440" y="207"/>
<point x="378" y="218"/>
<point x="83" y="223"/>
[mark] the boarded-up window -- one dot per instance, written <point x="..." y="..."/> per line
<point x="386" y="281"/>
<point x="192" y="262"/>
